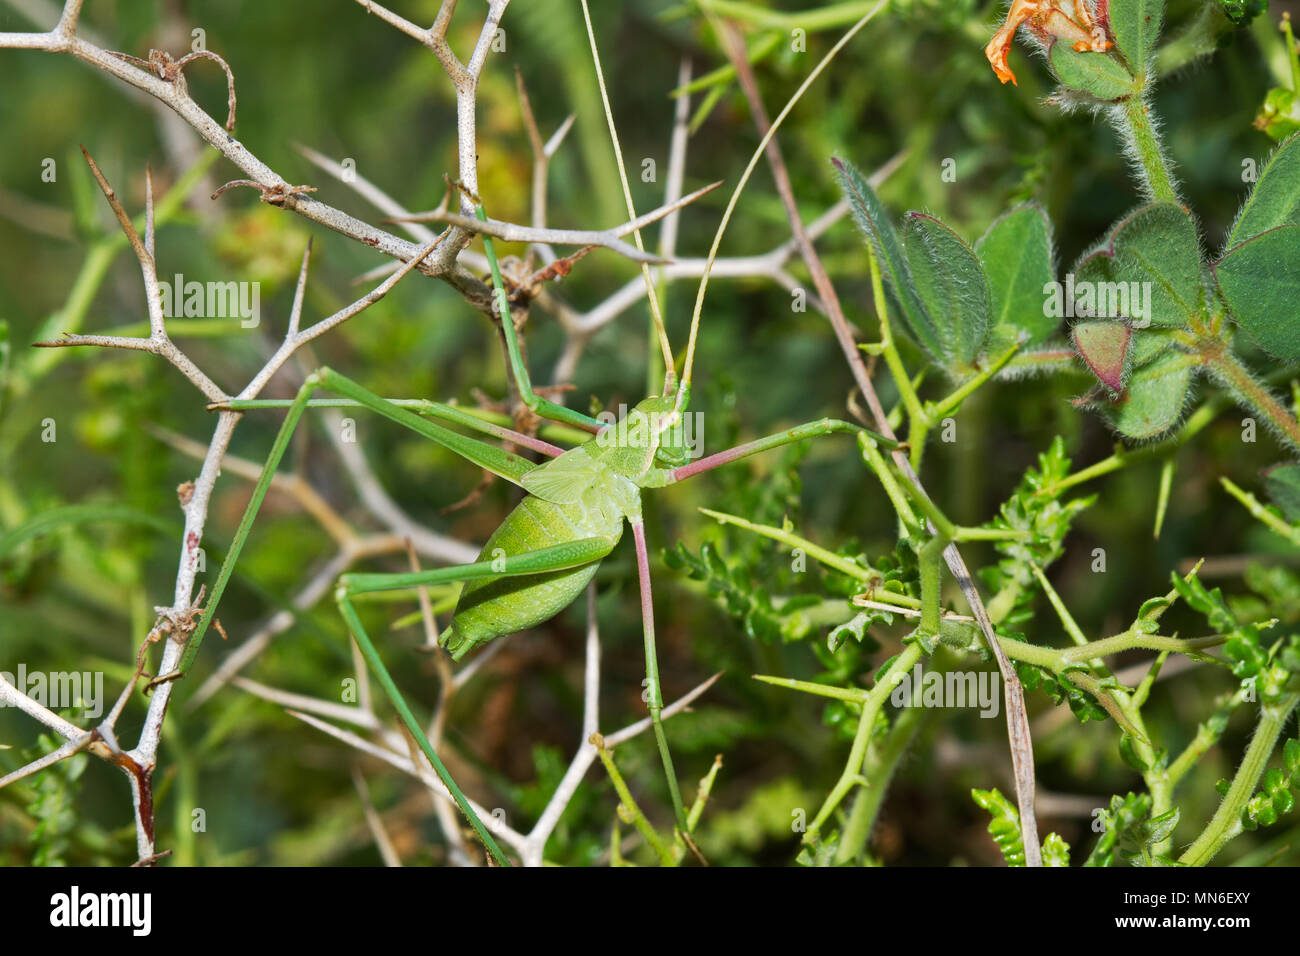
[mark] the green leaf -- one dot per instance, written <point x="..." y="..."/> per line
<point x="951" y="283"/>
<point x="1160" y="828"/>
<point x="1056" y="852"/>
<point x="1005" y="825"/>
<point x="1153" y="401"/>
<point x="1275" y="200"/>
<point x="1148" y="344"/>
<point x="855" y="628"/>
<point x="1277" y="117"/>
<point x="1095" y="73"/>
<point x="1148" y="271"/>
<point x="874" y="223"/>
<point x="1104" y="346"/>
<point x="1017" y="256"/>
<point x="1135" y="24"/>
<point x="1283" y="484"/>
<point x="1260" y="281"/>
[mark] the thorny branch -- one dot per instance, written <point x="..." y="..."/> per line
<point x="444" y="255"/>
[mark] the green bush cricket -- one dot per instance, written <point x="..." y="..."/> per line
<point x="550" y="546"/>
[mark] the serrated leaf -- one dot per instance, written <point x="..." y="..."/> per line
<point x="1056" y="852"/>
<point x="1283" y="485"/>
<point x="1017" y="255"/>
<point x="1260" y="281"/>
<point x="1004" y="826"/>
<point x="1149" y="270"/>
<point x="1135" y="24"/>
<point x="854" y="628"/>
<point x="950" y="281"/>
<point x="1152" y="402"/>
<point x="876" y="228"/>
<point x="1275" y="200"/>
<point x="1104" y="346"/>
<point x="1160" y="828"/>
<point x="1095" y="73"/>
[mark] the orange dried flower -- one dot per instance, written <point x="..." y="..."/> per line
<point x="1050" y="20"/>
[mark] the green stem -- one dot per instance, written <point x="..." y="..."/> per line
<point x="1134" y="118"/>
<point x="1207" y="735"/>
<point x="1129" y="641"/>
<point x="638" y="819"/>
<point x="1225" y="366"/>
<point x="946" y="406"/>
<point x="1262" y="514"/>
<point x="851" y="775"/>
<point x="817" y="553"/>
<point x="889" y="350"/>
<point x="1122" y="457"/>
<point x="1226" y="822"/>
<point x="878" y="770"/>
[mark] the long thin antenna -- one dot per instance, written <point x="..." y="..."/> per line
<point x="670" y="363"/>
<point x="744" y="179"/>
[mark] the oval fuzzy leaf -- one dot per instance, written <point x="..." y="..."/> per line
<point x="1153" y="401"/>
<point x="1097" y="73"/>
<point x="1260" y="281"/>
<point x="1275" y="200"/>
<point x="1147" y="344"/>
<point x="874" y="223"/>
<point x="951" y="283"/>
<point x="1135" y="24"/>
<point x="1149" y="271"/>
<point x="1283" y="485"/>
<point x="1017" y="256"/>
<point x="1104" y="346"/>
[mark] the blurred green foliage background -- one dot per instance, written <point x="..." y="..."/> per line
<point x="330" y="77"/>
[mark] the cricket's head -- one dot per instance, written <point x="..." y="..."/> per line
<point x="649" y="434"/>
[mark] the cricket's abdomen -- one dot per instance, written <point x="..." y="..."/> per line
<point x="493" y="608"/>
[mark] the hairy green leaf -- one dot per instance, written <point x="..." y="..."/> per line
<point x="1148" y="271"/>
<point x="1283" y="484"/>
<point x="1260" y="281"/>
<point x="1153" y="401"/>
<point x="1275" y="200"/>
<point x="874" y="223"/>
<point x="1135" y="24"/>
<point x="951" y="283"/>
<point x="1017" y="255"/>
<point x="1095" y="73"/>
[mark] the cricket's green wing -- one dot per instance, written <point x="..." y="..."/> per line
<point x="563" y="480"/>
